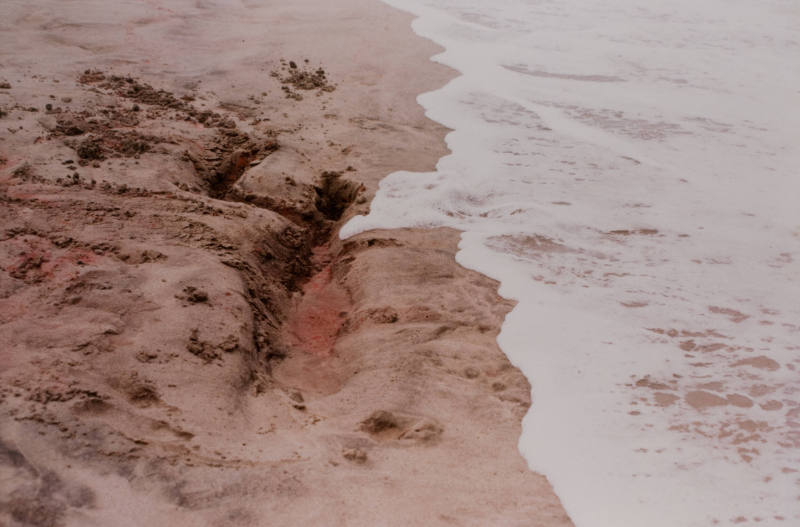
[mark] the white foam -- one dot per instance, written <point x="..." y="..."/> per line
<point x="629" y="173"/>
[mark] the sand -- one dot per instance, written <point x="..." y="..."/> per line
<point x="186" y="341"/>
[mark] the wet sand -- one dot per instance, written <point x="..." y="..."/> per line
<point x="186" y="340"/>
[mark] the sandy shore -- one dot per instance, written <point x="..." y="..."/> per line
<point x="186" y="341"/>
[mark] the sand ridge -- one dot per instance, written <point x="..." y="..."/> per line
<point x="186" y="341"/>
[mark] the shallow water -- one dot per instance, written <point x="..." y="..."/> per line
<point x="629" y="173"/>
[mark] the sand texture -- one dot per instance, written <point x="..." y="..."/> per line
<point x="185" y="340"/>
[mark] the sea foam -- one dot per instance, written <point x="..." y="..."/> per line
<point x="628" y="171"/>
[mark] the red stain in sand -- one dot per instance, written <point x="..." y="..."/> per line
<point x="317" y="318"/>
<point x="37" y="263"/>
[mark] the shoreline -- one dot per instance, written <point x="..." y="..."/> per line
<point x="620" y="253"/>
<point x="163" y="364"/>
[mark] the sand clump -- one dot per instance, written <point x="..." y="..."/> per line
<point x="294" y="77"/>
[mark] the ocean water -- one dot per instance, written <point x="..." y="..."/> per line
<point x="630" y="173"/>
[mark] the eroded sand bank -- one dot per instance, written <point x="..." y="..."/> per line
<point x="185" y="340"/>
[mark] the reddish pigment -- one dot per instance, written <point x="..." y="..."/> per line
<point x="315" y="321"/>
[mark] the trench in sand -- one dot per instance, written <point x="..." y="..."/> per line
<point x="318" y="309"/>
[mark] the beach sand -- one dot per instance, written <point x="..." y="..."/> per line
<point x="186" y="341"/>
